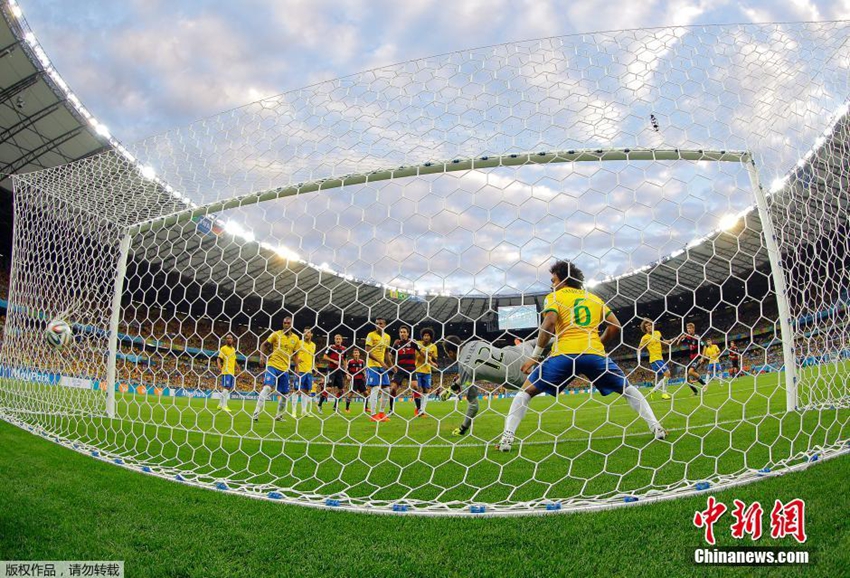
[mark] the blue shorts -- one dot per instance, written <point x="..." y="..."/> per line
<point x="377" y="377"/>
<point x="558" y="371"/>
<point x="227" y="381"/>
<point x="659" y="367"/>
<point x="712" y="367"/>
<point x="305" y="381"/>
<point x="277" y="379"/>
<point x="423" y="380"/>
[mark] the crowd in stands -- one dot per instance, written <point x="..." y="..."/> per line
<point x="166" y="348"/>
<point x="4" y="283"/>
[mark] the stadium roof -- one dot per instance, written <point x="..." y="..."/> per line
<point x="42" y="123"/>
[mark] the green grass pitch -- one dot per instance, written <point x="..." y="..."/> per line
<point x="573" y="447"/>
<point x="58" y="504"/>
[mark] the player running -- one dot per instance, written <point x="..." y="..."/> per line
<point x="652" y="341"/>
<point x="304" y="371"/>
<point x="356" y="370"/>
<point x="377" y="368"/>
<point x="573" y="316"/>
<point x="334" y="355"/>
<point x="482" y="361"/>
<point x="426" y="362"/>
<point x="280" y="350"/>
<point x="227" y="369"/>
<point x="712" y="353"/>
<point x="694" y="345"/>
<point x="405" y="350"/>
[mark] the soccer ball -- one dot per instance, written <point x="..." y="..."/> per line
<point x="58" y="334"/>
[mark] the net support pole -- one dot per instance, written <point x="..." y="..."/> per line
<point x="780" y="288"/>
<point x="115" y="317"/>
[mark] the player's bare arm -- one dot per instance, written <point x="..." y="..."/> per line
<point x="613" y="328"/>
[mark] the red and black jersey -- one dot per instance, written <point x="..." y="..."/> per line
<point x="693" y="343"/>
<point x="336" y="353"/>
<point x="355" y="369"/>
<point x="734" y="356"/>
<point x="406" y="354"/>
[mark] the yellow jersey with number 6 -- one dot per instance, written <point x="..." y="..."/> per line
<point x="579" y="316"/>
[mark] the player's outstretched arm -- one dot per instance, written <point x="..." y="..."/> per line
<point x="612" y="329"/>
<point x="544" y="335"/>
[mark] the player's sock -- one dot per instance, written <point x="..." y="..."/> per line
<point x="282" y="403"/>
<point x="392" y="402"/>
<point x="423" y="402"/>
<point x="322" y="399"/>
<point x="224" y="397"/>
<point x="347" y="403"/>
<point x="663" y="384"/>
<point x="658" y="385"/>
<point x="373" y="399"/>
<point x="641" y="406"/>
<point x="418" y="402"/>
<point x="518" y="408"/>
<point x="336" y="402"/>
<point x="265" y="393"/>
<point x="471" y="409"/>
<point x="305" y="402"/>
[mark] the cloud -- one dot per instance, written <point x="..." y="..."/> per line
<point x="147" y="66"/>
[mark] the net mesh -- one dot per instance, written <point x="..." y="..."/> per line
<point x="696" y="175"/>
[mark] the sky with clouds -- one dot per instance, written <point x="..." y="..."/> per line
<point x="146" y="67"/>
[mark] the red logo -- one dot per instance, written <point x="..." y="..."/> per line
<point x="789" y="520"/>
<point x="785" y="520"/>
<point x="747" y="520"/>
<point x="706" y="519"/>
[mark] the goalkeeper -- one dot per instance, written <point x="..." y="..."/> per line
<point x="482" y="361"/>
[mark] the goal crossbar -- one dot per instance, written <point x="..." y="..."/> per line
<point x="445" y="166"/>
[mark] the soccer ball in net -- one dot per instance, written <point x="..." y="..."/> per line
<point x="58" y="333"/>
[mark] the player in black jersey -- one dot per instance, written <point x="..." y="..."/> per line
<point x="404" y="348"/>
<point x="734" y="360"/>
<point x="694" y="344"/>
<point x="335" y="357"/>
<point x="356" y="370"/>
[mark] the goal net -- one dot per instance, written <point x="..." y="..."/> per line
<point x="241" y="289"/>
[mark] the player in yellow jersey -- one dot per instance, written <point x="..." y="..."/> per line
<point x="712" y="353"/>
<point x="378" y="368"/>
<point x="227" y="369"/>
<point x="304" y="372"/>
<point x="281" y="349"/>
<point x="573" y="316"/>
<point x="426" y="361"/>
<point x="652" y="342"/>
